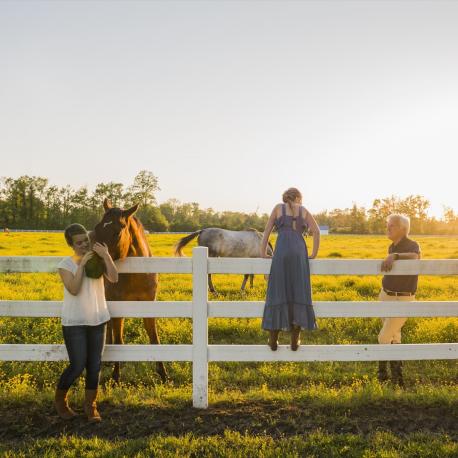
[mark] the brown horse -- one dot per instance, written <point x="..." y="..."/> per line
<point x="124" y="235"/>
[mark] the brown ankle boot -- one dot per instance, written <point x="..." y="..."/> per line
<point x="61" y="404"/>
<point x="273" y="340"/>
<point x="90" y="406"/>
<point x="295" y="334"/>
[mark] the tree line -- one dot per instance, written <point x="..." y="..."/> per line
<point x="30" y="202"/>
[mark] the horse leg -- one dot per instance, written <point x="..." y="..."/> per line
<point x="251" y="280"/>
<point x="245" y="279"/>
<point x="118" y="332"/>
<point x="109" y="336"/>
<point x="150" y="326"/>
<point x="210" y="284"/>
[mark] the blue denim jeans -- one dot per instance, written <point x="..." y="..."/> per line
<point x="85" y="346"/>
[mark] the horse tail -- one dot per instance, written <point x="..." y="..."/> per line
<point x="184" y="241"/>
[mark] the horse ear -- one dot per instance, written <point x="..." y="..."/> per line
<point x="107" y="204"/>
<point x="130" y="211"/>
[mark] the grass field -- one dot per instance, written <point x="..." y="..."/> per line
<point x="257" y="409"/>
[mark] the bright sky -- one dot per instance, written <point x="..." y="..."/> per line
<point x="231" y="102"/>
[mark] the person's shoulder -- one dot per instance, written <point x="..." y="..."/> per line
<point x="413" y="245"/>
<point x="304" y="211"/>
<point x="66" y="263"/>
<point x="277" y="209"/>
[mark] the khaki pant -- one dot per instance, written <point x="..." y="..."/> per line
<point x="391" y="329"/>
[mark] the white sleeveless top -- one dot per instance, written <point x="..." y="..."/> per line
<point x="88" y="307"/>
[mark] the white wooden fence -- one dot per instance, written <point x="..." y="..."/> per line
<point x="200" y="309"/>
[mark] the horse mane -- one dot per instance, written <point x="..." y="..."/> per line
<point x="133" y="242"/>
<point x="139" y="244"/>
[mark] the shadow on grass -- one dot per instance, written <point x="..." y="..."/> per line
<point x="22" y="421"/>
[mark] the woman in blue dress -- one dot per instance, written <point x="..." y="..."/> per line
<point x="288" y="304"/>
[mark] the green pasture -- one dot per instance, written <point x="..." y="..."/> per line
<point x="257" y="409"/>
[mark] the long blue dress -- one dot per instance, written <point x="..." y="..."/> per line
<point x="289" y="293"/>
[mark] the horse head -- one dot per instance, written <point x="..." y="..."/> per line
<point x="115" y="229"/>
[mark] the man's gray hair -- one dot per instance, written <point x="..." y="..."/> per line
<point x="403" y="220"/>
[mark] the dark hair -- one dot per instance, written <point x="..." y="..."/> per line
<point x="73" y="229"/>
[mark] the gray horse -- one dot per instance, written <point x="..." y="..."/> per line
<point x="225" y="243"/>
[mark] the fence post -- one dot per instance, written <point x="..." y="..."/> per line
<point x="200" y="327"/>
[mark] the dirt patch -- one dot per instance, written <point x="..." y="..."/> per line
<point x="23" y="422"/>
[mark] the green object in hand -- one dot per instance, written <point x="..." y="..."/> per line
<point x="95" y="267"/>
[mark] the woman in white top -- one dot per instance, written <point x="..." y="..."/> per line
<point x="84" y="318"/>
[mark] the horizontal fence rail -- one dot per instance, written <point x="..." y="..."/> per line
<point x="200" y="309"/>
<point x="242" y="266"/>
<point x="31" y="264"/>
<point x="370" y="352"/>
<point x="334" y="352"/>
<point x="239" y="309"/>
<point x="57" y="352"/>
<point x="126" y="309"/>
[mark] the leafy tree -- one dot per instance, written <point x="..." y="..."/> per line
<point x="169" y="209"/>
<point x="143" y="189"/>
<point x="29" y="202"/>
<point x="154" y="220"/>
<point x="113" y="191"/>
